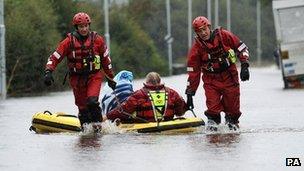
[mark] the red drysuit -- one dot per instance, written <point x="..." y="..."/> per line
<point x="219" y="73"/>
<point x="86" y="58"/>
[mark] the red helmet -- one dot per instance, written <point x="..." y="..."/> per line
<point x="81" y="18"/>
<point x="199" y="22"/>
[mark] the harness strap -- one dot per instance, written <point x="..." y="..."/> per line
<point x="72" y="46"/>
<point x="91" y="57"/>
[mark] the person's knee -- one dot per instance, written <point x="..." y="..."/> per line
<point x="92" y="102"/>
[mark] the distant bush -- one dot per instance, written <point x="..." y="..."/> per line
<point x="30" y="36"/>
<point x="132" y="48"/>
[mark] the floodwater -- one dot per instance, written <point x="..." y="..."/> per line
<point x="272" y="129"/>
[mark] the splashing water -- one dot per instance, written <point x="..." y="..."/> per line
<point x="221" y="129"/>
<point x="106" y="127"/>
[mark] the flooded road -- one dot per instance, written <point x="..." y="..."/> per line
<point x="272" y="129"/>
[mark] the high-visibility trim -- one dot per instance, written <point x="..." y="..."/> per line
<point x="190" y="69"/>
<point x="158" y="97"/>
<point x="231" y="56"/>
<point x="245" y="54"/>
<point x="96" y="62"/>
<point x="242" y="47"/>
<point x="110" y="66"/>
<point x="159" y="101"/>
<point x="188" y="83"/>
<point x="49" y="63"/>
<point x="56" y="54"/>
<point x="106" y="53"/>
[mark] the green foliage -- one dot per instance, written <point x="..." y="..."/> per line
<point x="132" y="48"/>
<point x="151" y="16"/>
<point x="28" y="23"/>
<point x="64" y="10"/>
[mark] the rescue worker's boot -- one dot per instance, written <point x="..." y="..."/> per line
<point x="96" y="119"/>
<point x="84" y="117"/>
<point x="213" y="121"/>
<point x="232" y="122"/>
<point x="94" y="112"/>
<point x="94" y="109"/>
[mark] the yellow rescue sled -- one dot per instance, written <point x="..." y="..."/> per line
<point x="46" y="122"/>
<point x="176" y="125"/>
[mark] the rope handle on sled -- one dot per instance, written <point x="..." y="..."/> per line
<point x="48" y="112"/>
<point x="193" y="113"/>
<point x="66" y="115"/>
<point x="196" y="116"/>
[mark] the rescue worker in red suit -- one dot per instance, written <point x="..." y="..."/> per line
<point x="213" y="55"/>
<point x="154" y="102"/>
<point x="87" y="55"/>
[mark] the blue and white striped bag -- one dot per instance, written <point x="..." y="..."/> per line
<point x="124" y="89"/>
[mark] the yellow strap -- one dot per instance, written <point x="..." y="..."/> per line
<point x="231" y="56"/>
<point x="97" y="62"/>
<point x="159" y="101"/>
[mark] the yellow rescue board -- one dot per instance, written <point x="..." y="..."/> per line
<point x="178" y="124"/>
<point x="46" y="122"/>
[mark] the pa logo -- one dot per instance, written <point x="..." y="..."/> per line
<point x="293" y="162"/>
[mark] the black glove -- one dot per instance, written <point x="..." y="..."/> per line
<point x="112" y="84"/>
<point x="244" y="72"/>
<point x="190" y="105"/>
<point x="48" y="78"/>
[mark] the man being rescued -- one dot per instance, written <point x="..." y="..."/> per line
<point x="152" y="103"/>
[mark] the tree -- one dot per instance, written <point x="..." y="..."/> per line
<point x="132" y="48"/>
<point x="31" y="34"/>
<point x="64" y="10"/>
